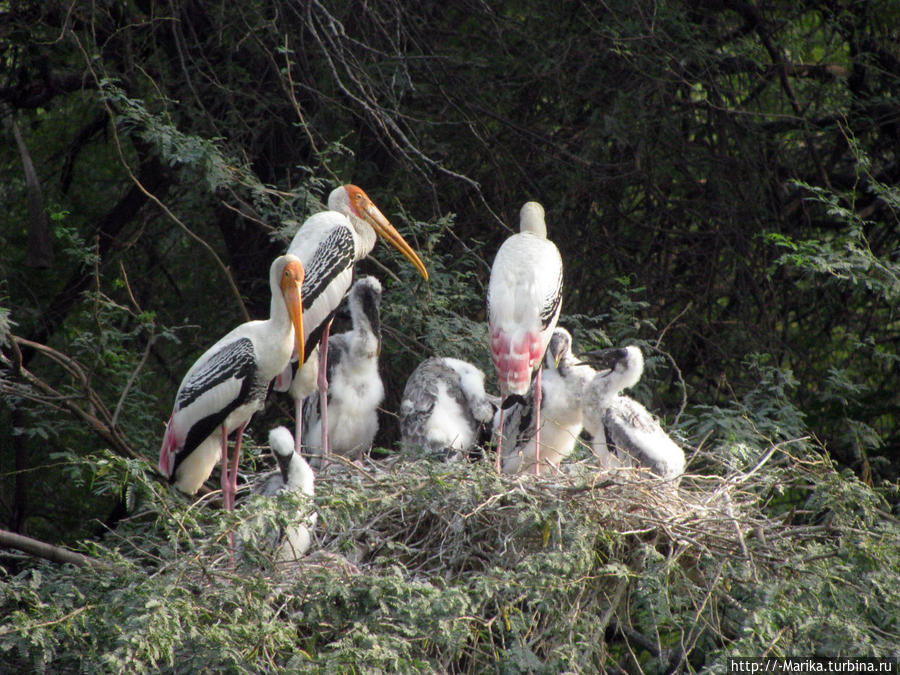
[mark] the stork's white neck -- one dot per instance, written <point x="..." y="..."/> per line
<point x="630" y="369"/>
<point x="602" y="389"/>
<point x="359" y="311"/>
<point x="278" y="313"/>
<point x="626" y="373"/>
<point x="339" y="200"/>
<point x="300" y="476"/>
<point x="471" y="380"/>
<point x="295" y="472"/>
<point x="365" y="236"/>
<point x="531" y="219"/>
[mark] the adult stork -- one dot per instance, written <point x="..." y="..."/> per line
<point x="523" y="304"/>
<point x="624" y="431"/>
<point x="328" y="244"/>
<point x="228" y="384"/>
<point x="293" y="475"/>
<point x="444" y="408"/>
<point x="562" y="389"/>
<point x="355" y="389"/>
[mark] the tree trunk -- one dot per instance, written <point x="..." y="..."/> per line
<point x="40" y="243"/>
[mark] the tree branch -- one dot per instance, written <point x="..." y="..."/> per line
<point x="40" y="243"/>
<point x="42" y="549"/>
<point x="95" y="415"/>
<point x="153" y="175"/>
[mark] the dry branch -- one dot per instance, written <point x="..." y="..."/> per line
<point x="42" y="549"/>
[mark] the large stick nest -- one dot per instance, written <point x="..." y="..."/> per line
<point x="548" y="552"/>
<point x="454" y="518"/>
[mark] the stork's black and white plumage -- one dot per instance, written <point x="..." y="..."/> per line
<point x="293" y="475"/>
<point x="625" y="433"/>
<point x="228" y="384"/>
<point x="563" y="382"/>
<point x="523" y="303"/>
<point x="355" y="389"/>
<point x="329" y="244"/>
<point x="444" y="407"/>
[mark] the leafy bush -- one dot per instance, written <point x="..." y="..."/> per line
<point x="424" y="567"/>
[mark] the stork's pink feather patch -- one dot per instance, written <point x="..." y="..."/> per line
<point x="515" y="357"/>
<point x="169" y="448"/>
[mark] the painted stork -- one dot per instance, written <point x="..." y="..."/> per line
<point x="444" y="408"/>
<point x="625" y="433"/>
<point x="355" y="389"/>
<point x="523" y="304"/>
<point x="328" y="244"/>
<point x="293" y="475"/>
<point x="228" y="384"/>
<point x="563" y="383"/>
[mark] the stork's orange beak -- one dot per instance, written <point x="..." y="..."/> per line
<point x="291" y="288"/>
<point x="383" y="227"/>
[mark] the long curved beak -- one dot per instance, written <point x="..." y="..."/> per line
<point x="291" y="288"/>
<point x="604" y="358"/>
<point x="383" y="227"/>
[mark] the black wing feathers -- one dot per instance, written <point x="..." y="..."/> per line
<point x="334" y="254"/>
<point x="236" y="360"/>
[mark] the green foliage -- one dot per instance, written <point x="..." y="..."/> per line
<point x="766" y="411"/>
<point x="846" y="256"/>
<point x="460" y="570"/>
<point x="817" y="597"/>
<point x="199" y="157"/>
<point x="843" y="261"/>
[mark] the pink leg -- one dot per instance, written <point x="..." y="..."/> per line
<point x="298" y="425"/>
<point x="225" y="482"/>
<point x="234" y="463"/>
<point x="227" y="490"/>
<point x="323" y="392"/>
<point x="232" y="487"/>
<point x="500" y="443"/>
<point x="537" y="421"/>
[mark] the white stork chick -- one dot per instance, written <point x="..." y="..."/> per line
<point x="355" y="389"/>
<point x="294" y="475"/>
<point x="444" y="407"/>
<point x="228" y="384"/>
<point x="523" y="304"/>
<point x="329" y="244"/>
<point x="563" y="383"/>
<point x="624" y="431"/>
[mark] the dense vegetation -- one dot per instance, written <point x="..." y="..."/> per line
<point x="722" y="180"/>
